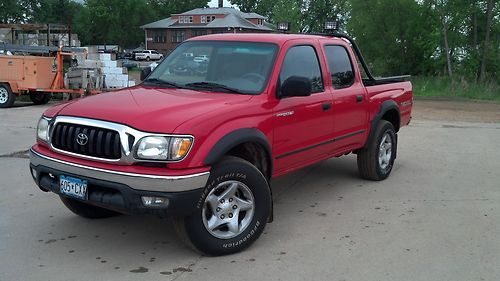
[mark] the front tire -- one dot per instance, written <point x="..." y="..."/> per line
<point x="86" y="210"/>
<point x="376" y="159"/>
<point x="39" y="98"/>
<point x="232" y="211"/>
<point x="7" y="98"/>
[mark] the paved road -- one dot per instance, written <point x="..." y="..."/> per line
<point x="436" y="218"/>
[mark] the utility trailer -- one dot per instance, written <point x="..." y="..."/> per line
<point x="35" y="75"/>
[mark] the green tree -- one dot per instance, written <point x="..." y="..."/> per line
<point x="20" y="11"/>
<point x="396" y="36"/>
<point x="119" y="21"/>
<point x="56" y="11"/>
<point x="288" y="11"/>
<point x="261" y="7"/>
<point x="317" y="12"/>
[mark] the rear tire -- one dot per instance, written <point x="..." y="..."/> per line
<point x="40" y="97"/>
<point x="232" y="211"/>
<point x="376" y="159"/>
<point x="86" y="210"/>
<point x="7" y="98"/>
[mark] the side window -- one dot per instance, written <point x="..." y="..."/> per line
<point x="302" y="61"/>
<point x="340" y="66"/>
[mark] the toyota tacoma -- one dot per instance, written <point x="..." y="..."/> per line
<point x="201" y="141"/>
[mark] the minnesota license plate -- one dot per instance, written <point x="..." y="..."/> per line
<point x="73" y="187"/>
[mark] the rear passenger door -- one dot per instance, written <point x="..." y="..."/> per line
<point x="350" y="106"/>
<point x="302" y="125"/>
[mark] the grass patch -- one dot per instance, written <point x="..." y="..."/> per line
<point x="135" y="69"/>
<point x="457" y="88"/>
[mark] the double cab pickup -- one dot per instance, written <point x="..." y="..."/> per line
<point x="202" y="140"/>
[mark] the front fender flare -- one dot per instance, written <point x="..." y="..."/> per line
<point x="234" y="138"/>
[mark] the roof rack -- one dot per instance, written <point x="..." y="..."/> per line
<point x="371" y="79"/>
<point x="331" y="26"/>
<point x="354" y="46"/>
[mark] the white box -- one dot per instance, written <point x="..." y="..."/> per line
<point x="109" y="63"/>
<point x="112" y="70"/>
<point x="89" y="63"/>
<point x="118" y="77"/>
<point x="105" y="57"/>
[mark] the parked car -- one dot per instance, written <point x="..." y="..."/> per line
<point x="204" y="148"/>
<point x="148" y="55"/>
<point x="153" y="65"/>
<point x="133" y="54"/>
<point x="201" y="58"/>
<point x="128" y="63"/>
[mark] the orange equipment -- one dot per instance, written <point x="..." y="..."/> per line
<point x="34" y="75"/>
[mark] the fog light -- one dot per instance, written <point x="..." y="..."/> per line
<point x="155" y="202"/>
<point x="33" y="173"/>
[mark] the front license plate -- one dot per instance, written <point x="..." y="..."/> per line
<point x="73" y="187"/>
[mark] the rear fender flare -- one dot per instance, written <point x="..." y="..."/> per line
<point x="384" y="108"/>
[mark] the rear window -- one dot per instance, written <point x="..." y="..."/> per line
<point x="340" y="66"/>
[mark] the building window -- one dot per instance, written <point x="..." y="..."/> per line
<point x="260" y="21"/>
<point x="186" y="19"/>
<point x="178" y="36"/>
<point x="159" y="36"/>
<point x="207" y="19"/>
<point x="198" y="32"/>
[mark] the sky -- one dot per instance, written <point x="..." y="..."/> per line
<point x="212" y="3"/>
<point x="215" y="3"/>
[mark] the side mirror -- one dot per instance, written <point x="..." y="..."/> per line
<point x="296" y="86"/>
<point x="145" y="72"/>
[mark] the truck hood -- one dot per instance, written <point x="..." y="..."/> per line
<point x="149" y="109"/>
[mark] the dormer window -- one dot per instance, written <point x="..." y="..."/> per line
<point x="207" y="19"/>
<point x="185" y="19"/>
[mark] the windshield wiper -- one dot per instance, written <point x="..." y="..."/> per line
<point x="159" y="81"/>
<point x="214" y="86"/>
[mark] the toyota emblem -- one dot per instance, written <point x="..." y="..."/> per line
<point x="82" y="139"/>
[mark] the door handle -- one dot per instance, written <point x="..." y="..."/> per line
<point x="359" y="98"/>
<point x="326" y="106"/>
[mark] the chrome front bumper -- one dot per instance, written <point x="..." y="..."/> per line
<point x="136" y="181"/>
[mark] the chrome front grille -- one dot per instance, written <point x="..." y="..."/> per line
<point x="107" y="142"/>
<point x="87" y="140"/>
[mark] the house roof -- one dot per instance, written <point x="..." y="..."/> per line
<point x="234" y="18"/>
<point x="223" y="11"/>
<point x="160" y="24"/>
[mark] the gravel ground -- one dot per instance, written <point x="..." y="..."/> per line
<point x="435" y="218"/>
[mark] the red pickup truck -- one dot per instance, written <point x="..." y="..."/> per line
<point x="201" y="141"/>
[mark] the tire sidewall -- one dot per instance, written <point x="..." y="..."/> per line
<point x="10" y="96"/>
<point x="256" y="182"/>
<point x="386" y="128"/>
<point x="40" y="97"/>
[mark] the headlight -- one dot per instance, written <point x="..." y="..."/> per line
<point x="42" y="130"/>
<point x="163" y="148"/>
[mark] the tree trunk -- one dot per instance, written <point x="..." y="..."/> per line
<point x="447" y="49"/>
<point x="489" y="13"/>
<point x="474" y="26"/>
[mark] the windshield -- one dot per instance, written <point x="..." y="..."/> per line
<point x="238" y="67"/>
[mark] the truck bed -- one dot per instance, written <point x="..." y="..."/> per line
<point x="385" y="80"/>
